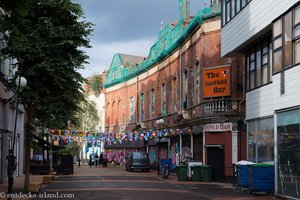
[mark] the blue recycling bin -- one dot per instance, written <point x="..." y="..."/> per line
<point x="242" y="176"/>
<point x="164" y="162"/>
<point x="261" y="178"/>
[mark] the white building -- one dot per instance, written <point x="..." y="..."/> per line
<point x="7" y="119"/>
<point x="267" y="34"/>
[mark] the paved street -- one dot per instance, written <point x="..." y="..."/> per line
<point x="115" y="183"/>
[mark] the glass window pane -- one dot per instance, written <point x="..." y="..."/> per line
<point x="228" y="11"/>
<point x="265" y="46"/>
<point x="297" y="52"/>
<point x="277" y="43"/>
<point x="288" y="146"/>
<point x="232" y="8"/>
<point x="238" y="5"/>
<point x="296" y="31"/>
<point x="264" y="75"/>
<point x="265" y="138"/>
<point x="270" y="61"/>
<point x="297" y="15"/>
<point x="277" y="28"/>
<point x="265" y="59"/>
<point x="288" y="40"/>
<point x="248" y="70"/>
<point x="223" y="12"/>
<point x="252" y="80"/>
<point x="243" y="3"/>
<point x="251" y="141"/>
<point x="277" y="61"/>
<point x="258" y="68"/>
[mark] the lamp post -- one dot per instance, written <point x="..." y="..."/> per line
<point x="51" y="141"/>
<point x="159" y="122"/>
<point x="20" y="83"/>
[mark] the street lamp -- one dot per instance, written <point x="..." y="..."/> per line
<point x="159" y="122"/>
<point x="20" y="83"/>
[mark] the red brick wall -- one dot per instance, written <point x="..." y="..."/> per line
<point x="206" y="48"/>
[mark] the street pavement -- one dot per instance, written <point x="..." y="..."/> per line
<point x="114" y="183"/>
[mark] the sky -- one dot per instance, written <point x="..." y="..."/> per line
<point x="127" y="26"/>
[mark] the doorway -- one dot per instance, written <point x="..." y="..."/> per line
<point x="216" y="159"/>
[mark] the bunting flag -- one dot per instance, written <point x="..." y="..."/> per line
<point x="96" y="138"/>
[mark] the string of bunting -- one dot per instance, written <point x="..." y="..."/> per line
<point x="67" y="136"/>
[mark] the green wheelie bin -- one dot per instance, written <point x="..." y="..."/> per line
<point x="181" y="171"/>
<point x="196" y="173"/>
<point x="206" y="173"/>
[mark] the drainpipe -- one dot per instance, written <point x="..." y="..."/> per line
<point x="244" y="80"/>
<point x="180" y="79"/>
<point x="137" y="100"/>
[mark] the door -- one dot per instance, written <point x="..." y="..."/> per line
<point x="216" y="159"/>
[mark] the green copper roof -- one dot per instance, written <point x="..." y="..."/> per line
<point x="169" y="39"/>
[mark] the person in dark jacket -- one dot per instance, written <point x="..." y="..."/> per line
<point x="90" y="161"/>
<point x="11" y="165"/>
<point x="101" y="159"/>
<point x="96" y="159"/>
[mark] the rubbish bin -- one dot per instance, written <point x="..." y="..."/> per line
<point x="206" y="173"/>
<point x="181" y="171"/>
<point x="261" y="178"/>
<point x="196" y="173"/>
<point x="241" y="170"/>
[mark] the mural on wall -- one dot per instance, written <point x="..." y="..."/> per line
<point x="153" y="155"/>
<point x="118" y="156"/>
<point x="186" y="154"/>
<point x="163" y="151"/>
<point x="174" y="155"/>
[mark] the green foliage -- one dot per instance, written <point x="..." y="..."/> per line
<point x="70" y="149"/>
<point x="95" y="84"/>
<point x="88" y="116"/>
<point x="47" y="42"/>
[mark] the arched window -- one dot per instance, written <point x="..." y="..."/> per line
<point x="174" y="95"/>
<point x="163" y="99"/>
<point x="142" y="107"/>
<point x="185" y="89"/>
<point x="152" y="103"/>
<point x="131" y="109"/>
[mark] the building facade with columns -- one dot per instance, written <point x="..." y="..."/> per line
<point x="185" y="84"/>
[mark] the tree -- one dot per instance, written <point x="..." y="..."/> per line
<point x="46" y="42"/>
<point x="88" y="116"/>
<point x="95" y="84"/>
<point x="45" y="37"/>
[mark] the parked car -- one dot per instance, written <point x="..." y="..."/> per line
<point x="138" y="161"/>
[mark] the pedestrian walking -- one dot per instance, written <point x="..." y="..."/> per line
<point x="11" y="164"/>
<point x="78" y="162"/>
<point x="90" y="161"/>
<point x="101" y="159"/>
<point x="96" y="159"/>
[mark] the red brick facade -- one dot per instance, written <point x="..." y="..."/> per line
<point x="186" y="108"/>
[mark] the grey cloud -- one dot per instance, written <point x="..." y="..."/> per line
<point x="121" y="20"/>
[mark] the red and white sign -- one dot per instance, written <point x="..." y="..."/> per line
<point x="217" y="127"/>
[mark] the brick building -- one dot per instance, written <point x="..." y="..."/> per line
<point x="183" y="99"/>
